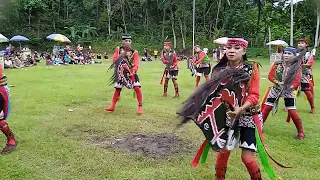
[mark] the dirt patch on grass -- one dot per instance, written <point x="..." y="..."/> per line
<point x="150" y="145"/>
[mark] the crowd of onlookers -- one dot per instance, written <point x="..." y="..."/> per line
<point x="62" y="56"/>
<point x="14" y="59"/>
<point x="69" y="55"/>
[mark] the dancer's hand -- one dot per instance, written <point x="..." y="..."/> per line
<point x="236" y="112"/>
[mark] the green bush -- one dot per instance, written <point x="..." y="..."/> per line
<point x="258" y="52"/>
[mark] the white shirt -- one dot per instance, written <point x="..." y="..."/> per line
<point x="8" y="62"/>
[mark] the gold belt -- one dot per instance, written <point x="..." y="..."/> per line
<point x="253" y="110"/>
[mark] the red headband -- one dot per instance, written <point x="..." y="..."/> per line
<point x="238" y="41"/>
<point x="304" y="40"/>
<point x="167" y="44"/>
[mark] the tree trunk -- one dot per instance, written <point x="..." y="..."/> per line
<point x="316" y="43"/>
<point x="173" y="31"/>
<point x="217" y="20"/>
<point x="163" y="22"/>
<point x="182" y="34"/>
<point x="59" y="5"/>
<point x="265" y="32"/>
<point x="146" y="19"/>
<point x="54" y="26"/>
<point x="258" y="23"/>
<point x="269" y="29"/>
<point x="184" y="30"/>
<point x="38" y="28"/>
<point x="29" y="17"/>
<point x="123" y="16"/>
<point x="204" y="20"/>
<point x="67" y="11"/>
<point x="53" y="19"/>
<point x="109" y="16"/>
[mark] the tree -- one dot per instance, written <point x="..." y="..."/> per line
<point x="259" y="4"/>
<point x="73" y="33"/>
<point x="89" y="32"/>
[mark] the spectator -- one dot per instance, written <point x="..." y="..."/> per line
<point x="155" y="52"/>
<point x="8" y="63"/>
<point x="105" y="55"/>
<point x="36" y="57"/>
<point x="17" y="63"/>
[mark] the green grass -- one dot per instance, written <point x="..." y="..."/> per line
<point x="53" y="143"/>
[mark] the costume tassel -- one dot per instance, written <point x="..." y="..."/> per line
<point x="134" y="94"/>
<point x="205" y="153"/>
<point x="196" y="158"/>
<point x="264" y="156"/>
<point x="265" y="97"/>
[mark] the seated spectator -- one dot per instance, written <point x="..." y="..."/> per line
<point x="8" y="63"/>
<point x="36" y="57"/>
<point x="17" y="63"/>
<point x="31" y="61"/>
<point x="72" y="59"/>
<point x="57" y="60"/>
<point x="81" y="59"/>
<point x="99" y="56"/>
<point x="105" y="55"/>
<point x="48" y="60"/>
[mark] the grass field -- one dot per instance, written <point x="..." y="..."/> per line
<point x="57" y="144"/>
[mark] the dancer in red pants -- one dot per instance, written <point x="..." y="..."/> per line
<point x="134" y="64"/>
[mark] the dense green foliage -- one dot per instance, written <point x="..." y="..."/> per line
<point x="102" y="22"/>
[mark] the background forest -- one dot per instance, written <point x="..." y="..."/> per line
<point x="100" y="23"/>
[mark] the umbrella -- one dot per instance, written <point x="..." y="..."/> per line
<point x="278" y="43"/>
<point x="58" y="37"/>
<point x="3" y="38"/>
<point x="19" y="38"/>
<point x="222" y="40"/>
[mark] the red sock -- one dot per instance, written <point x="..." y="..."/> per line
<point x="221" y="164"/>
<point x="116" y="95"/>
<point x="115" y="98"/>
<point x="296" y="120"/>
<point x="252" y="167"/>
<point x="310" y="98"/>
<point x="139" y="94"/>
<point x="265" y="112"/>
<point x="7" y="132"/>
<point x="197" y="80"/>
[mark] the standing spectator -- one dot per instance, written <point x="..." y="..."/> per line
<point x="155" y="52"/>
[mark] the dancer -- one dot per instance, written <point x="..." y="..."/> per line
<point x="307" y="83"/>
<point x="234" y="80"/>
<point x="5" y="111"/>
<point x="169" y="58"/>
<point x="202" y="63"/>
<point x="133" y="65"/>
<point x="286" y="76"/>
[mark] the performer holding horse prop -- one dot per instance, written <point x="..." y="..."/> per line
<point x="5" y="111"/>
<point x="286" y="76"/>
<point x="227" y="111"/>
<point x="307" y="82"/>
<point x="126" y="65"/>
<point x="169" y="58"/>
